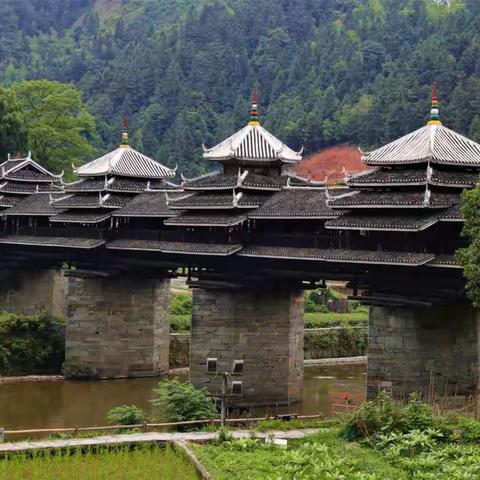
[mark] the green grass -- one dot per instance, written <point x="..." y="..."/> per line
<point x="333" y="319"/>
<point x="141" y="463"/>
<point x="333" y="457"/>
<point x="180" y="323"/>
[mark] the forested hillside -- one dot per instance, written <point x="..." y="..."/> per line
<point x="327" y="71"/>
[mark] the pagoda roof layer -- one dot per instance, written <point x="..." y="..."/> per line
<point x="27" y="170"/>
<point x="81" y="217"/>
<point x="198" y="220"/>
<point x="147" y="204"/>
<point x="339" y="256"/>
<point x="403" y="222"/>
<point x="245" y="180"/>
<point x="186" y="248"/>
<point x="444" y="261"/>
<point x="252" y="144"/>
<point x="413" y="176"/>
<point x="85" y="185"/>
<point x="394" y="199"/>
<point x="26" y="188"/>
<point x="64" y="242"/>
<point x="126" y="162"/>
<point x="217" y="201"/>
<point x="82" y="200"/>
<point x="434" y="143"/>
<point x="9" y="200"/>
<point x="453" y="214"/>
<point x="297" y="203"/>
<point x="27" y="175"/>
<point x="37" y="204"/>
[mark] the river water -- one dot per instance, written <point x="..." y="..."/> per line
<point x="54" y="404"/>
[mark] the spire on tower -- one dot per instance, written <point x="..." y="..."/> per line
<point x="434" y="112"/>
<point x="254" y="111"/>
<point x="125" y="143"/>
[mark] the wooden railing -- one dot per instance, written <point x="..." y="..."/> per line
<point x="147" y="426"/>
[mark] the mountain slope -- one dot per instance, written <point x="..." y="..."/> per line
<point x="327" y="71"/>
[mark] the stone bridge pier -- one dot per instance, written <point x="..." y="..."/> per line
<point x="31" y="291"/>
<point x="261" y="330"/>
<point x="425" y="350"/>
<point x="117" y="326"/>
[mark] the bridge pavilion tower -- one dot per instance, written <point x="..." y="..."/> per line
<point x="255" y="326"/>
<point x="117" y="314"/>
<point x="26" y="286"/>
<point x="404" y="216"/>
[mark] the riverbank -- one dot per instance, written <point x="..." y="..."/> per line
<point x="183" y="371"/>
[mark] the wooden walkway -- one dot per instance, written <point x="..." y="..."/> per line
<point x="152" y="437"/>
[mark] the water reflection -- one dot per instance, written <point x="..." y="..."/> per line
<point x="28" y="405"/>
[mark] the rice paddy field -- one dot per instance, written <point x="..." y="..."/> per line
<point x="145" y="462"/>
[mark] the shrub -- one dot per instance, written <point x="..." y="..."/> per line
<point x="182" y="304"/>
<point x="180" y="323"/>
<point x="384" y="416"/>
<point x="126" y="415"/>
<point x="179" y="402"/>
<point x="30" y="344"/>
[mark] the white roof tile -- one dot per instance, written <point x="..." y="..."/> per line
<point x="252" y="143"/>
<point x="432" y="142"/>
<point x="127" y="162"/>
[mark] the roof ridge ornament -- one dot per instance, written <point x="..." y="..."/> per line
<point x="241" y="176"/>
<point x="429" y="173"/>
<point x="125" y="142"/>
<point x="434" y="112"/>
<point x="236" y="198"/>
<point x="254" y="122"/>
<point x="199" y="177"/>
<point x="426" y="198"/>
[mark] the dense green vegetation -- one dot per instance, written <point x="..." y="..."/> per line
<point x="327" y="71"/>
<point x="380" y="441"/>
<point x="469" y="256"/>
<point x="49" y="119"/>
<point x="30" y="345"/>
<point x="334" y="343"/>
<point x="141" y="463"/>
<point x="317" y="314"/>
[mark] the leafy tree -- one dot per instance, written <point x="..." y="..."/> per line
<point x="469" y="257"/>
<point x="180" y="402"/>
<point x="12" y="129"/>
<point x="57" y="122"/>
<point x="30" y="344"/>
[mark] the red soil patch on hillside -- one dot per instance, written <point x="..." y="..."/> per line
<point x="330" y="163"/>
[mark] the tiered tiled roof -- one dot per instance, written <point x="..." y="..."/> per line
<point x="396" y="177"/>
<point x="62" y="242"/>
<point x="148" y="205"/>
<point x="252" y="145"/>
<point x="297" y="203"/>
<point x="110" y="183"/>
<point x="339" y="256"/>
<point x="21" y="178"/>
<point x="403" y="221"/>
<point x="189" y="248"/>
<point x="416" y="185"/>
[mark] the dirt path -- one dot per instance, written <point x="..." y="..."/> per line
<point x="146" y="438"/>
